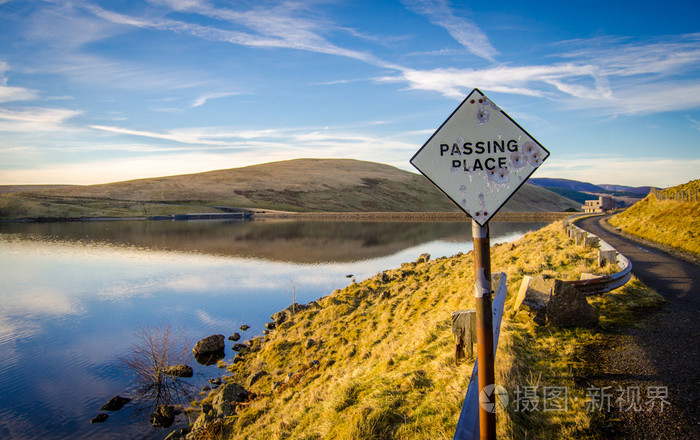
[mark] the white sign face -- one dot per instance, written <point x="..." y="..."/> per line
<point x="479" y="157"/>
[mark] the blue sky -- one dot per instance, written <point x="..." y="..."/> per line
<point x="96" y="91"/>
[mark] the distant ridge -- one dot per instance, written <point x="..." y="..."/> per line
<point x="582" y="191"/>
<point x="575" y="185"/>
<point x="642" y="190"/>
<point x="300" y="185"/>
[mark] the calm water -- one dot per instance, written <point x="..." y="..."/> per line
<point x="73" y="296"/>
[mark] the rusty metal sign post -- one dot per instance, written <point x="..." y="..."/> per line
<point x="479" y="157"/>
<point x="485" y="353"/>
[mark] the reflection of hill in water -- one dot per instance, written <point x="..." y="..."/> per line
<point x="289" y="241"/>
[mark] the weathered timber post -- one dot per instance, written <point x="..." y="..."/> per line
<point x="464" y="330"/>
<point x="484" y="329"/>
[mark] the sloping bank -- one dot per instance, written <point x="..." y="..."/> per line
<point x="376" y="359"/>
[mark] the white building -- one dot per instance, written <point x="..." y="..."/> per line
<point x="603" y="204"/>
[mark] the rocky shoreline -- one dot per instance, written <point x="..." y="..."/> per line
<point x="226" y="395"/>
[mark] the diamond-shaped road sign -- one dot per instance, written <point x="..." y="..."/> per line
<point x="479" y="157"/>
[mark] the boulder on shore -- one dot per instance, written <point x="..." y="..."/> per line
<point x="209" y="350"/>
<point x="209" y="344"/>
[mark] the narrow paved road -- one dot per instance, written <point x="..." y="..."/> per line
<point x="661" y="353"/>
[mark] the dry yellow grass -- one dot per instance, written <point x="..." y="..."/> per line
<point x="670" y="222"/>
<point x="386" y="356"/>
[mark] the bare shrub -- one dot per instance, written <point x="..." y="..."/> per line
<point x="155" y="349"/>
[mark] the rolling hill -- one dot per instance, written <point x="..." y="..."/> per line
<point x="300" y="185"/>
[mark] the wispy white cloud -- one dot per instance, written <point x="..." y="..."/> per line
<point x="8" y="93"/>
<point x="85" y="69"/>
<point x="694" y="122"/>
<point x="621" y="78"/>
<point x="466" y="32"/>
<point x="600" y="74"/>
<point x="623" y="57"/>
<point x="201" y="100"/>
<point x="35" y="119"/>
<point x="522" y="80"/>
<point x="266" y="26"/>
<point x="289" y="139"/>
<point x="174" y="136"/>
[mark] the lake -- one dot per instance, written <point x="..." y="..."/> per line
<point x="74" y="297"/>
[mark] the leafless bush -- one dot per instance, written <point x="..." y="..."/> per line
<point x="155" y="349"/>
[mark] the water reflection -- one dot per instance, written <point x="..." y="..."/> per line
<point x="287" y="241"/>
<point x="73" y="293"/>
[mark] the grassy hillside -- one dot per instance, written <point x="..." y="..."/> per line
<point x="295" y="185"/>
<point x="671" y="221"/>
<point x="376" y="359"/>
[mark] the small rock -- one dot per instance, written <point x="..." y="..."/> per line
<point x="256" y="377"/>
<point x="206" y="388"/>
<point x="216" y="381"/>
<point x="163" y="416"/>
<point x="310" y="343"/>
<point x="270" y="325"/>
<point x="240" y="347"/>
<point x="115" y="403"/>
<point x="245" y="327"/>
<point x="181" y="370"/>
<point x="349" y="276"/>
<point x="100" y="418"/>
<point x="234" y="337"/>
<point x="229" y="393"/>
<point x="424" y="258"/>
<point x="284" y="315"/>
